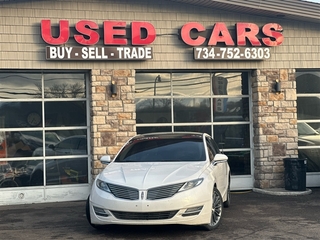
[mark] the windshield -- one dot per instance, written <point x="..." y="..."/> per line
<point x="163" y="150"/>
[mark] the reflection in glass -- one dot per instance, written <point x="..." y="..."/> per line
<point x="141" y="130"/>
<point x="30" y="143"/>
<point x="309" y="137"/>
<point x="191" y="84"/>
<point x="313" y="158"/>
<point x="152" y="84"/>
<point x="195" y="102"/>
<point x="20" y="114"/>
<point x="7" y="175"/>
<point x="153" y="110"/>
<point x="191" y="110"/>
<point x="67" y="171"/>
<point x="308" y="108"/>
<point x="230" y="83"/>
<point x="232" y="136"/>
<point x="61" y="171"/>
<point x="64" y="142"/>
<point x="308" y="82"/>
<point x="64" y="85"/>
<point x="75" y="145"/>
<point x="231" y="109"/>
<point x="20" y="85"/>
<point x="19" y="143"/>
<point x="16" y="173"/>
<point x="197" y="128"/>
<point x="71" y="113"/>
<point x="239" y="162"/>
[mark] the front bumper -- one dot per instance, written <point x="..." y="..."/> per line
<point x="191" y="207"/>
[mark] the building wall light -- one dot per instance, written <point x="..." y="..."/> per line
<point x="113" y="89"/>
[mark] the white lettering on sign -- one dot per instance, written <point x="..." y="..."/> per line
<point x="98" y="53"/>
<point x="60" y="53"/>
<point x="93" y="53"/>
<point x="134" y="53"/>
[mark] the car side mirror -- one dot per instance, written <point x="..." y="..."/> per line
<point x="106" y="159"/>
<point x="219" y="157"/>
<point x="51" y="146"/>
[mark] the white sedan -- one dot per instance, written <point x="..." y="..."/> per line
<point x="162" y="178"/>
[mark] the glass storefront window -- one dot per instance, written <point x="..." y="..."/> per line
<point x="232" y="136"/>
<point x="153" y="110"/>
<point x="191" y="110"/>
<point x="20" y="85"/>
<point x="308" y="107"/>
<point x="61" y="171"/>
<point x="20" y="114"/>
<point x="231" y="109"/>
<point x="64" y="85"/>
<point x="190" y="84"/>
<point x="65" y="113"/>
<point x="152" y="84"/>
<point x="194" y="128"/>
<point x="239" y="162"/>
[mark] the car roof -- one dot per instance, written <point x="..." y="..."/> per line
<point x="169" y="135"/>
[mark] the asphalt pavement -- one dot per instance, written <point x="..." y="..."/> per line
<point x="252" y="215"/>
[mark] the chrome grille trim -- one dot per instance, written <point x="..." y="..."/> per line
<point x="163" y="191"/>
<point x="124" y="192"/>
<point x="144" y="216"/>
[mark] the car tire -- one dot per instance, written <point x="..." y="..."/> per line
<point x="227" y="203"/>
<point x="216" y="210"/>
<point x="88" y="216"/>
<point x="8" y="183"/>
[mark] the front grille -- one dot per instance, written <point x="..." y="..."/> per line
<point x="144" y="216"/>
<point x="124" y="192"/>
<point x="163" y="192"/>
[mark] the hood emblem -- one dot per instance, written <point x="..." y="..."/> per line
<point x="142" y="195"/>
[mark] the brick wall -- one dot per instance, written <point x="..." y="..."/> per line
<point x="112" y="118"/>
<point x="274" y="125"/>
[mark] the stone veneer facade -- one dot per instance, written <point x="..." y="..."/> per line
<point x="275" y="134"/>
<point x="112" y="118"/>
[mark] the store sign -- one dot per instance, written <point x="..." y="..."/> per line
<point x="246" y="42"/>
<point x="234" y="46"/>
<point x="114" y="33"/>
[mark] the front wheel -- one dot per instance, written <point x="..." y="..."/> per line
<point x="216" y="210"/>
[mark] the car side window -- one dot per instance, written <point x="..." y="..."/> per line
<point x="66" y="144"/>
<point x="210" y="151"/>
<point x="215" y="146"/>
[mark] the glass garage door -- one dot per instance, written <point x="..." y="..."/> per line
<point x="213" y="102"/>
<point x="308" y="104"/>
<point x="44" y="151"/>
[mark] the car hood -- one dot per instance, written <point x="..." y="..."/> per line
<point x="147" y="175"/>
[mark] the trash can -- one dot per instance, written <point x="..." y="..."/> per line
<point x="295" y="174"/>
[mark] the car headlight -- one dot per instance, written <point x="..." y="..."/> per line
<point x="103" y="185"/>
<point x="191" y="184"/>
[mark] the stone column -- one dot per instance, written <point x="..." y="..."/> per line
<point x="274" y="125"/>
<point x="112" y="118"/>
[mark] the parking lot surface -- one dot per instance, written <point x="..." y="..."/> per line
<point x="252" y="215"/>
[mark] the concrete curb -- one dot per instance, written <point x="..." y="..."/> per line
<point x="282" y="192"/>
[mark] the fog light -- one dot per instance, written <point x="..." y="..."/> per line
<point x="100" y="211"/>
<point x="192" y="211"/>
